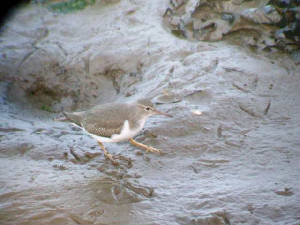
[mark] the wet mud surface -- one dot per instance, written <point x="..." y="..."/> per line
<point x="230" y="152"/>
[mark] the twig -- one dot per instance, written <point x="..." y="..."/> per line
<point x="219" y="131"/>
<point x="267" y="108"/>
<point x="249" y="111"/>
<point x="74" y="154"/>
<point x="240" y="88"/>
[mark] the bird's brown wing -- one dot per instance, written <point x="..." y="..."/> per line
<point x="100" y="130"/>
<point x="105" y="120"/>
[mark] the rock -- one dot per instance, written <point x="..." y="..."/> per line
<point x="166" y="98"/>
<point x="268" y="9"/>
<point x="207" y="220"/>
<point x="228" y="17"/>
<point x="235" y="115"/>
<point x="266" y="15"/>
<point x="235" y="20"/>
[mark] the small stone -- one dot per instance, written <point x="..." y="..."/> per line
<point x="60" y="167"/>
<point x="23" y="148"/>
<point x="285" y="192"/>
<point x="139" y="153"/>
<point x="66" y="155"/>
<point x="268" y="9"/>
<point x="279" y="34"/>
<point x="196" y="112"/>
<point x="146" y="158"/>
<point x="228" y="17"/>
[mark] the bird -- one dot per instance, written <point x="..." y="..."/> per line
<point x="116" y="122"/>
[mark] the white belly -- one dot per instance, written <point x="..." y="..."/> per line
<point x="125" y="134"/>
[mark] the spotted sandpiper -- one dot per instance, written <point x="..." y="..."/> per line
<point x="116" y="122"/>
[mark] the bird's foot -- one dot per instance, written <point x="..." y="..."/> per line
<point x="111" y="158"/>
<point x="152" y="149"/>
<point x="108" y="155"/>
<point x="143" y="146"/>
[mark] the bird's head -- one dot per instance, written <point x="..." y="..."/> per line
<point x="148" y="108"/>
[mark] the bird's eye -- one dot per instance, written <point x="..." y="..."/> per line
<point x="147" y="108"/>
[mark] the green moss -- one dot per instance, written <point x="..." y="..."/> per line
<point x="70" y="5"/>
<point x="178" y="33"/>
<point x="46" y="108"/>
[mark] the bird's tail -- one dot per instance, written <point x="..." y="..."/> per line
<point x="75" y="117"/>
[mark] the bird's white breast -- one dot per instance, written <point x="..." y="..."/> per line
<point x="125" y="134"/>
<point x="128" y="132"/>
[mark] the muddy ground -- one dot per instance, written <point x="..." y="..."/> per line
<point x="230" y="153"/>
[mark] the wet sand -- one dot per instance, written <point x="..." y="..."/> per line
<point x="231" y="151"/>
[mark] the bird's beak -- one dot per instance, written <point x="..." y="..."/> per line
<point x="162" y="113"/>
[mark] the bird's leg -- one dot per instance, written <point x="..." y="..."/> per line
<point x="107" y="154"/>
<point x="143" y="146"/>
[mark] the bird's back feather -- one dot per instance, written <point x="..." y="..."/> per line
<point x="106" y="120"/>
<point x="75" y="117"/>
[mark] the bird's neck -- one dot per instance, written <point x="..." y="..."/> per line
<point x="139" y="122"/>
